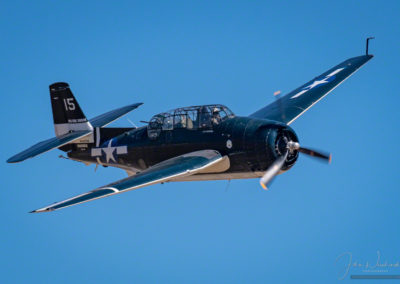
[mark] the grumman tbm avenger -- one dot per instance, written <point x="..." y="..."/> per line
<point x="207" y="142"/>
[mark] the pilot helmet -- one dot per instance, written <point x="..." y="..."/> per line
<point x="215" y="110"/>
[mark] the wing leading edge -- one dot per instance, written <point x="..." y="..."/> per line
<point x="289" y="107"/>
<point x="180" y="166"/>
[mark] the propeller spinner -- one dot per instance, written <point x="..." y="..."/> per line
<point x="291" y="146"/>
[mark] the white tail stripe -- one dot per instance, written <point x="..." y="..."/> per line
<point x="64" y="128"/>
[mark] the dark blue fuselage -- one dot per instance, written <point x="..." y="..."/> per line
<point x="251" y="145"/>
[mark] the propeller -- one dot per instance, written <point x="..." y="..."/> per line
<point x="326" y="157"/>
<point x="273" y="170"/>
<point x="276" y="166"/>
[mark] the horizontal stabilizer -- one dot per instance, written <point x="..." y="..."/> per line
<point x="48" y="145"/>
<point x="108" y="117"/>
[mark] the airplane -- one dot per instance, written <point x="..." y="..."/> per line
<point x="206" y="142"/>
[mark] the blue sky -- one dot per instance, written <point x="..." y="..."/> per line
<point x="170" y="54"/>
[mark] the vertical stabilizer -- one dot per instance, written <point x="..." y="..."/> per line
<point x="67" y="114"/>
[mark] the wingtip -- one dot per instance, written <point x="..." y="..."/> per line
<point x="42" y="210"/>
<point x="330" y="158"/>
<point x="13" y="160"/>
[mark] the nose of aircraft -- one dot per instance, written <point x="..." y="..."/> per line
<point x="277" y="142"/>
<point x="284" y="144"/>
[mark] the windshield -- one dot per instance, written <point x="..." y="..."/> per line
<point x="192" y="118"/>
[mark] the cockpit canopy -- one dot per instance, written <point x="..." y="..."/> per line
<point x="192" y="118"/>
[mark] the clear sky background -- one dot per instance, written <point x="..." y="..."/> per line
<point x="170" y="54"/>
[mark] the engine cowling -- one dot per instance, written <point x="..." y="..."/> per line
<point x="265" y="141"/>
<point x="276" y="143"/>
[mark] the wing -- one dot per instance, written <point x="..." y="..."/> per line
<point x="108" y="117"/>
<point x="289" y="107"/>
<point x="180" y="166"/>
<point x="47" y="145"/>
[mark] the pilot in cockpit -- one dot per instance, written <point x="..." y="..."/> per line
<point x="205" y="117"/>
<point x="216" y="117"/>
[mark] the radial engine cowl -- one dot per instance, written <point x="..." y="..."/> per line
<point x="277" y="141"/>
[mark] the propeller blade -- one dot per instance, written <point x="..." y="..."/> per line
<point x="273" y="170"/>
<point x="327" y="157"/>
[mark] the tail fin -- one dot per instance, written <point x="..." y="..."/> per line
<point x="70" y="123"/>
<point x="67" y="114"/>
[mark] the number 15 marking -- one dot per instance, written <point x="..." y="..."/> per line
<point x="69" y="104"/>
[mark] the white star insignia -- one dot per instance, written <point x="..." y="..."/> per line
<point x="109" y="152"/>
<point x="317" y="82"/>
